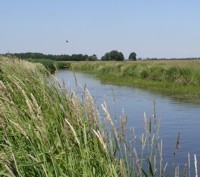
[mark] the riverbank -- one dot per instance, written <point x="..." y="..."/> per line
<point x="177" y="78"/>
<point x="46" y="132"/>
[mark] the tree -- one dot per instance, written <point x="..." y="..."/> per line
<point x="113" y="55"/>
<point x="92" y="58"/>
<point x="132" y="56"/>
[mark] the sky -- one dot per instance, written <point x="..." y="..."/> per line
<point x="151" y="28"/>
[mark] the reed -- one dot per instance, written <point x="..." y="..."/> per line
<point x="44" y="131"/>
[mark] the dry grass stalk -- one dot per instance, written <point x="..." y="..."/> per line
<point x="132" y="135"/>
<point x="16" y="79"/>
<point x="160" y="148"/>
<point x="76" y="105"/>
<point x="2" y="86"/>
<point x="155" y="164"/>
<point x="100" y="137"/>
<point x="123" y="121"/>
<point x="145" y="124"/>
<point x="143" y="142"/>
<point x="158" y="128"/>
<point x="165" y="167"/>
<point x="37" y="108"/>
<point x="8" y="170"/>
<point x="90" y="107"/>
<point x="20" y="129"/>
<point x="188" y="165"/>
<point x="137" y="161"/>
<point x="111" y="149"/>
<point x="34" y="159"/>
<point x="177" y="171"/>
<point x="122" y="168"/>
<point x="108" y="117"/>
<point x="29" y="104"/>
<point x="13" y="156"/>
<point x="195" y="165"/>
<point x="73" y="131"/>
<point x="8" y="104"/>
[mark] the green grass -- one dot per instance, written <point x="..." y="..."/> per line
<point x="45" y="131"/>
<point x="49" y="64"/>
<point x="179" y="78"/>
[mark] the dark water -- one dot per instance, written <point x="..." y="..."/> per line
<point x="176" y="116"/>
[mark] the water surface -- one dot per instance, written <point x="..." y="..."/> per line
<point x="176" y="116"/>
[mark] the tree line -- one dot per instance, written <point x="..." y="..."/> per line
<point x="113" y="55"/>
<point x="74" y="57"/>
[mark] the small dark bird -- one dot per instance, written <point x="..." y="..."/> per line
<point x="67" y="41"/>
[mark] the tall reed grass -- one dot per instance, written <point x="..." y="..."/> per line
<point x="46" y="131"/>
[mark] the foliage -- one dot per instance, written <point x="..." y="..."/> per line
<point x="74" y="57"/>
<point x="114" y="55"/>
<point x="49" y="64"/>
<point x="132" y="56"/>
<point x="92" y="58"/>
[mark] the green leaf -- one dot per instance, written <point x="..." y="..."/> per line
<point x="150" y="168"/>
<point x="30" y="164"/>
<point x="144" y="173"/>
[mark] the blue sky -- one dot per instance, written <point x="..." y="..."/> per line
<point x="151" y="28"/>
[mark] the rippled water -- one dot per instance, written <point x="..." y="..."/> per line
<point x="176" y="116"/>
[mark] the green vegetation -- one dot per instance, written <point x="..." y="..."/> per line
<point x="179" y="78"/>
<point x="132" y="56"/>
<point x="49" y="64"/>
<point x="74" y="57"/>
<point x="45" y="131"/>
<point x="114" y="55"/>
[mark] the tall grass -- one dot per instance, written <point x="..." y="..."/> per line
<point x="49" y="64"/>
<point x="45" y="131"/>
<point x="178" y="78"/>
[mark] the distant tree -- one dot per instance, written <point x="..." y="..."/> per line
<point x="92" y="58"/>
<point x="35" y="56"/>
<point x="132" y="56"/>
<point x="113" y="55"/>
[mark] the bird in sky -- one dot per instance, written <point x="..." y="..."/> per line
<point x="67" y="41"/>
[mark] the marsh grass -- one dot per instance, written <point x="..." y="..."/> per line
<point x="46" y="131"/>
<point x="178" y="78"/>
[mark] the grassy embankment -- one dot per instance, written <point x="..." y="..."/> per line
<point x="44" y="131"/>
<point x="178" y="78"/>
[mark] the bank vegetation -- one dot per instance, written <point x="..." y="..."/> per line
<point x="177" y="78"/>
<point x="46" y="131"/>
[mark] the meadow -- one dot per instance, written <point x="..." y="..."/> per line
<point x="45" y="131"/>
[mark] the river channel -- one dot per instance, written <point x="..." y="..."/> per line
<point x="175" y="115"/>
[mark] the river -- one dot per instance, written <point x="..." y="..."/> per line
<point x="175" y="115"/>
